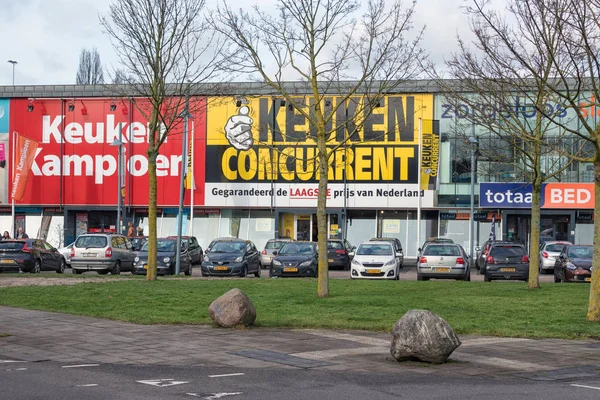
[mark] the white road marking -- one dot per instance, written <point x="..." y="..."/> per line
<point x="89" y="385"/>
<point x="586" y="387"/>
<point x="80" y="365"/>
<point x="220" y="376"/>
<point x="221" y="395"/>
<point x="499" y="362"/>
<point x="325" y="354"/>
<point x="11" y="361"/>
<point x="162" y="382"/>
<point x="21" y="369"/>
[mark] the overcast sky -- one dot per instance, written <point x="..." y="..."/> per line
<point x="46" y="36"/>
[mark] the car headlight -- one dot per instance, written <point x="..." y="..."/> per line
<point x="137" y="259"/>
<point x="275" y="262"/>
<point x="356" y="262"/>
<point x="206" y="259"/>
<point x="305" y="263"/>
<point x="390" y="263"/>
<point x="166" y="260"/>
<point x="571" y="266"/>
<point x="239" y="259"/>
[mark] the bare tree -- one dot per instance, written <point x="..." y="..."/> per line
<point x="120" y="77"/>
<point x="356" y="51"/>
<point x="497" y="89"/>
<point x="167" y="50"/>
<point x="558" y="53"/>
<point x="90" y="68"/>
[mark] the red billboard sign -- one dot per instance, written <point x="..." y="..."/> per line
<point x="77" y="148"/>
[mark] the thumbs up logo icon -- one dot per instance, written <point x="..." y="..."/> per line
<point x="238" y="129"/>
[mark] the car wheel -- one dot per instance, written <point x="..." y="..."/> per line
<point x="188" y="271"/>
<point x="77" y="271"/>
<point x="347" y="266"/>
<point x="397" y="277"/>
<point x="467" y="276"/>
<point x="257" y="273"/>
<point x="482" y="270"/>
<point x="487" y="278"/>
<point x="244" y="272"/>
<point x="419" y="277"/>
<point x="116" y="269"/>
<point x="37" y="267"/>
<point x="61" y="266"/>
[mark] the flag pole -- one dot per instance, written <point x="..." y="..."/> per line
<point x="12" y="168"/>
<point x="419" y="187"/>
<point x="192" y="185"/>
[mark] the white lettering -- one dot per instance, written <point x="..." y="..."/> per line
<point x="101" y="171"/>
<point x="51" y="165"/>
<point x="88" y="132"/>
<point x="175" y="165"/>
<point x="51" y="128"/>
<point x="136" y="170"/>
<point x="555" y="196"/>
<point x="73" y="133"/>
<point x="162" y="165"/>
<point x="78" y="162"/>
<point x="138" y="132"/>
<point x="583" y="196"/>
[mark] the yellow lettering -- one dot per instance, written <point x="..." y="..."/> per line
<point x="285" y="154"/>
<point x="229" y="173"/>
<point x="363" y="164"/>
<point x="247" y="163"/>
<point x="266" y="164"/>
<point x="383" y="163"/>
<point x="404" y="154"/>
<point x="305" y="163"/>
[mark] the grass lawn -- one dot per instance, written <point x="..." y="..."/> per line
<point x="498" y="308"/>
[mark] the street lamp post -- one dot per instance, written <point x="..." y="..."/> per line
<point x="184" y="150"/>
<point x="474" y="143"/>
<point x="119" y="144"/>
<point x="13" y="62"/>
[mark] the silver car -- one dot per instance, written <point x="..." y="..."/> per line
<point x="443" y="260"/>
<point x="548" y="253"/>
<point x="266" y="256"/>
<point x="66" y="252"/>
<point x="103" y="253"/>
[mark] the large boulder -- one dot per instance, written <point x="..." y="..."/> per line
<point x="423" y="335"/>
<point x="232" y="309"/>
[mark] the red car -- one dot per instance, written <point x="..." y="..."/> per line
<point x="574" y="264"/>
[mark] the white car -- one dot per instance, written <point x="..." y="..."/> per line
<point x="66" y="252"/>
<point x="375" y="260"/>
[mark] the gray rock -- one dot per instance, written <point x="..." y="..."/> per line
<point x="423" y="335"/>
<point x="232" y="309"/>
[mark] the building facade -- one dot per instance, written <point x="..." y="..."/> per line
<point x="409" y="165"/>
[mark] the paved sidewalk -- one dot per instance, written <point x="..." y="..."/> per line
<point x="46" y="336"/>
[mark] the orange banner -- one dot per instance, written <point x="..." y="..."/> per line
<point x="25" y="153"/>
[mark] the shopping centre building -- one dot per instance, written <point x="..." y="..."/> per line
<point x="267" y="187"/>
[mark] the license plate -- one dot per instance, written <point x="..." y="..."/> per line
<point x="145" y="266"/>
<point x="220" y="268"/>
<point x="373" y="271"/>
<point x="7" y="261"/>
<point x="89" y="255"/>
<point x="508" y="269"/>
<point x="586" y="279"/>
<point x="290" y="270"/>
<point x="330" y="260"/>
<point x="444" y="269"/>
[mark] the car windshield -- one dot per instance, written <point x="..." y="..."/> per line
<point x="162" y="246"/>
<point x="274" y="245"/>
<point x="335" y="245"/>
<point x="555" y="247"/>
<point x="374" y="249"/>
<point x="433" y="250"/>
<point x="580" y="252"/>
<point x="11" y="245"/>
<point x="89" y="242"/>
<point x="228" y="247"/>
<point x="291" y="249"/>
<point x="507" y="251"/>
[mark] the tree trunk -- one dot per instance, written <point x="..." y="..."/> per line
<point x="534" y="239"/>
<point x="151" y="271"/>
<point x="593" y="313"/>
<point x="323" y="280"/>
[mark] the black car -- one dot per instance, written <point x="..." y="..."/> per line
<point x="30" y="255"/>
<point x="506" y="260"/>
<point x="338" y="254"/>
<point x="296" y="259"/>
<point x="231" y="257"/>
<point x="137" y="242"/>
<point x="192" y="246"/>
<point x="165" y="259"/>
<point x="574" y="264"/>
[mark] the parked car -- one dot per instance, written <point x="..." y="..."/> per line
<point x="506" y="260"/>
<point x="548" y="253"/>
<point x="193" y="248"/>
<point x="574" y="264"/>
<point x="266" y="256"/>
<point x="66" y="253"/>
<point x="103" y="253"/>
<point x="231" y="257"/>
<point x="166" y="258"/>
<point x="30" y="255"/>
<point x="397" y="248"/>
<point x="432" y="240"/>
<point x="444" y="261"/>
<point x="482" y="255"/>
<point x="137" y="242"/>
<point x="338" y="254"/>
<point x="375" y="260"/>
<point x="296" y="259"/>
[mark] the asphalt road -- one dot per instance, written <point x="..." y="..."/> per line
<point x="53" y="381"/>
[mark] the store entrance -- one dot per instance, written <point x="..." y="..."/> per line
<point x="552" y="227"/>
<point x="102" y="221"/>
<point x="303" y="226"/>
